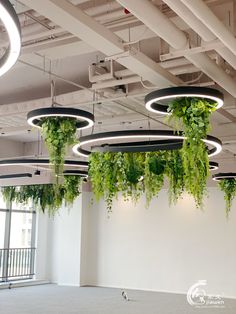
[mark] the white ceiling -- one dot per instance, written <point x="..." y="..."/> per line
<point x="49" y="46"/>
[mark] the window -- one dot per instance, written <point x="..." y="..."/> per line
<point x="17" y="241"/>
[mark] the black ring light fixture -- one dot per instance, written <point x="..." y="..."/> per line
<point x="84" y="119"/>
<point x="75" y="173"/>
<point x="225" y="175"/>
<point x="11" y="24"/>
<point x="153" y="100"/>
<point x="213" y="165"/>
<point x="140" y="146"/>
<point x="149" y="136"/>
<point x="16" y="176"/>
<point x="46" y="162"/>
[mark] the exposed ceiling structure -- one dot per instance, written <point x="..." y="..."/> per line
<point x="106" y="55"/>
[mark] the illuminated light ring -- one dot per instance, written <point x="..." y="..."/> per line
<point x="75" y="173"/>
<point x="35" y="161"/>
<point x="141" y="134"/>
<point x="11" y="23"/>
<point x="213" y="165"/>
<point x="152" y="99"/>
<point x="34" y="117"/>
<point x="225" y="175"/>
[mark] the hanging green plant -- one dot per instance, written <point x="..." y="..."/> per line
<point x="45" y="197"/>
<point x="9" y="193"/>
<point x="58" y="133"/>
<point x="175" y="174"/>
<point x="72" y="188"/>
<point x="228" y="186"/>
<point x="153" y="175"/>
<point x="157" y="164"/>
<point x="131" y="174"/>
<point x="194" y="116"/>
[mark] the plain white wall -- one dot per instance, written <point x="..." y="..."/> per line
<point x="161" y="248"/>
<point x="41" y="242"/>
<point x="64" y="242"/>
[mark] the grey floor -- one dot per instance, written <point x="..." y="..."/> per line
<point x="52" y="299"/>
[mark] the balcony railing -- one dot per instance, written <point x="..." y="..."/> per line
<point x="16" y="264"/>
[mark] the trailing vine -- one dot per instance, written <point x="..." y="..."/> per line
<point x="175" y="175"/>
<point x="154" y="174"/>
<point x="45" y="197"/>
<point x="58" y="133"/>
<point x="133" y="174"/>
<point x="72" y="188"/>
<point x="228" y="186"/>
<point x="194" y="116"/>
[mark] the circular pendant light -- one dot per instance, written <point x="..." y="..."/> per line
<point x="171" y="139"/>
<point x="213" y="165"/>
<point x="44" y="162"/>
<point x="157" y="101"/>
<point x="225" y="175"/>
<point x="84" y="119"/>
<point x="11" y="23"/>
<point x="140" y="146"/>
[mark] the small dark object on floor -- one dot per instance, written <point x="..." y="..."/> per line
<point x="124" y="295"/>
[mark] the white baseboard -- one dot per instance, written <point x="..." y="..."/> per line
<point x="22" y="283"/>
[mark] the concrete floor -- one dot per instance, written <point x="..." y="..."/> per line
<point x="53" y="299"/>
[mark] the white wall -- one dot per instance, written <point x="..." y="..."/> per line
<point x="64" y="242"/>
<point x="10" y="148"/>
<point x="42" y="238"/>
<point x="160" y="248"/>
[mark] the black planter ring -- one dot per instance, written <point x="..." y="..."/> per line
<point x="84" y="119"/>
<point x="153" y="99"/>
<point x="225" y="175"/>
<point x="80" y="173"/>
<point x="213" y="165"/>
<point x="46" y="162"/>
<point x="171" y="141"/>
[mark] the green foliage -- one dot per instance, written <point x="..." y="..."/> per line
<point x="45" y="197"/>
<point x="175" y="174"/>
<point x="111" y="173"/>
<point x="133" y="174"/>
<point x="9" y="193"/>
<point x="72" y="188"/>
<point x="58" y="133"/>
<point x="153" y="177"/>
<point x="194" y="116"/>
<point x="228" y="186"/>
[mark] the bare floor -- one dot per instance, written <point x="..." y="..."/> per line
<point x="53" y="299"/>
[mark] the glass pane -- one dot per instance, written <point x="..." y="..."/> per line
<point x="21" y="228"/>
<point x="27" y="207"/>
<point x="2" y="229"/>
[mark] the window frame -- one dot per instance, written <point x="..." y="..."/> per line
<point x="7" y="238"/>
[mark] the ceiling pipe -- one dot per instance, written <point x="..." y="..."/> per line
<point x="150" y="15"/>
<point x="207" y="17"/>
<point x="115" y="82"/>
<point x="75" y="21"/>
<point x="202" y="30"/>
